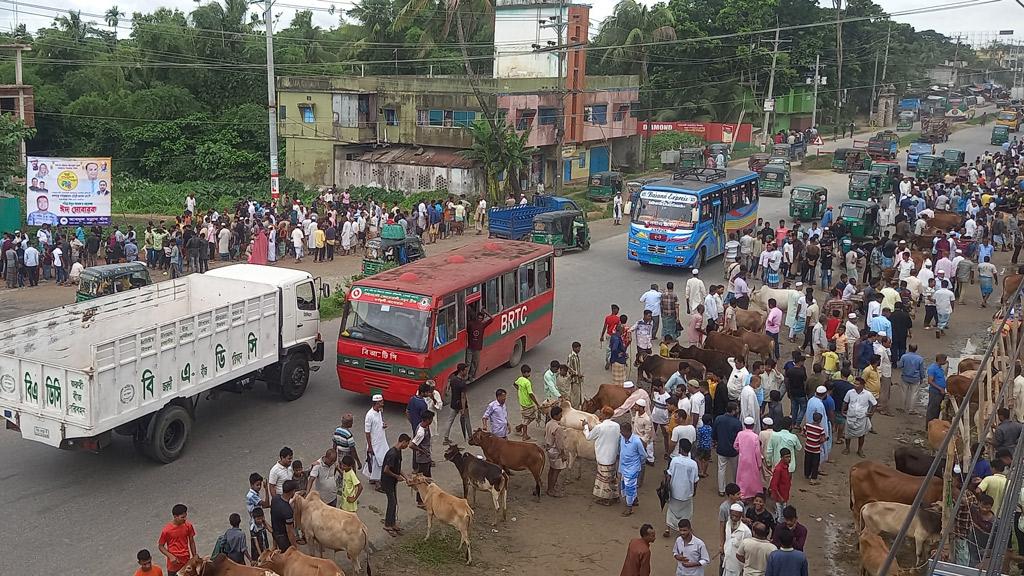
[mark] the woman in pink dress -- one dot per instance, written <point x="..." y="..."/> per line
<point x="260" y="245"/>
<point x="748" y="465"/>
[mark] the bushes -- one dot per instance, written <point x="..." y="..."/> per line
<point x="140" y="196"/>
<point x="392" y="197"/>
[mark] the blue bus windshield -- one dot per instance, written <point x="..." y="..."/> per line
<point x="669" y="209"/>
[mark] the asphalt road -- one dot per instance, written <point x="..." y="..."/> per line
<point x="88" y="514"/>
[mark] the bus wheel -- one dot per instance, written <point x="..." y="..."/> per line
<point x="517" y="353"/>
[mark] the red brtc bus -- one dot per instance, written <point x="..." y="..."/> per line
<point x="408" y="324"/>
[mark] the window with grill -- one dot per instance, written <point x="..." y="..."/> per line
<point x="547" y="116"/>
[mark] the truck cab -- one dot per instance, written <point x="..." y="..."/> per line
<point x="917" y="149"/>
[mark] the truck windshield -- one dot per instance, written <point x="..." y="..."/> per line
<point x="667" y="209"/>
<point x="386" y="324"/>
<point x="1008" y="116"/>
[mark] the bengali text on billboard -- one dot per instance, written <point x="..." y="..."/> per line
<point x="68" y="191"/>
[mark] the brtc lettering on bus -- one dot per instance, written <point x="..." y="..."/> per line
<point x="513" y="319"/>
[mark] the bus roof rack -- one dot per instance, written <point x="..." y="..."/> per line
<point x="699" y="174"/>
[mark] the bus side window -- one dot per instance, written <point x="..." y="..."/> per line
<point x="460" y="307"/>
<point x="527" y="283"/>
<point x="446" y="325"/>
<point x="508" y="290"/>
<point x="492" y="296"/>
<point x="543" y="275"/>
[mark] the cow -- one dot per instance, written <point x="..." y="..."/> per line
<point x="757" y="342"/>
<point x="576" y="447"/>
<point x="332" y="528"/>
<point x="451" y="510"/>
<point x="781" y="295"/>
<point x="750" y="320"/>
<point x="511" y="455"/>
<point x="872" y="481"/>
<point x="663" y="368"/>
<point x="1010" y="284"/>
<point x="916" y="462"/>
<point x="873" y="552"/>
<point x="714" y="361"/>
<point x="967" y="365"/>
<point x="221" y="565"/>
<point x="611" y="395"/>
<point x="958" y="384"/>
<point x="732" y="346"/>
<point x="945" y="220"/>
<point x="888" y="517"/>
<point x="479" y="474"/>
<point x="937" y="430"/>
<point x="571" y="417"/>
<point x="293" y="562"/>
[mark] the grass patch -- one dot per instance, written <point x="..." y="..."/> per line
<point x="817" y="162"/>
<point x="440" y="550"/>
<point x="909" y="138"/>
<point x="332" y="306"/>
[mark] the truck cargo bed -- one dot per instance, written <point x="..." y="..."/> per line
<point x="85" y="368"/>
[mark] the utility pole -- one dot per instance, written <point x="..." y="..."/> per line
<point x="271" y="102"/>
<point x="839" y="65"/>
<point x="874" y="94"/>
<point x="20" y="82"/>
<point x="817" y="80"/>
<point x="885" y="62"/>
<point x="952" y="72"/>
<point x="559" y="24"/>
<point x="769" y="99"/>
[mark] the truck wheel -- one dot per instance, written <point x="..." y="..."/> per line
<point x="272" y="376"/>
<point x="517" y="353"/>
<point x="294" y="377"/>
<point x="169" y="434"/>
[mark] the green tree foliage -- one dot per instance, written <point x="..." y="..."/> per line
<point x="500" y="150"/>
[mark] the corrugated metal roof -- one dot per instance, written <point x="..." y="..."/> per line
<point x="418" y="156"/>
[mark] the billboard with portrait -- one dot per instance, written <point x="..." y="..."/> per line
<point x="68" y="191"/>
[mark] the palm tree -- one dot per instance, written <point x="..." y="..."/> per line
<point x="112" y="18"/>
<point x="73" y="25"/>
<point x="497" y="151"/>
<point x="630" y="30"/>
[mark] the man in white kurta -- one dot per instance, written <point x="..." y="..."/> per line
<point x="749" y="406"/>
<point x="376" y="439"/>
<point x="695" y="292"/>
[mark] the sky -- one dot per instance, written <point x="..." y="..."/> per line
<point x="1002" y="14"/>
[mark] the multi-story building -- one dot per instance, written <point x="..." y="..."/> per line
<point x="408" y="132"/>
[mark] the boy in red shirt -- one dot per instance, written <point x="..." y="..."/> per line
<point x="611" y="322"/>
<point x="177" y="540"/>
<point x="782" y="482"/>
<point x="146" y="566"/>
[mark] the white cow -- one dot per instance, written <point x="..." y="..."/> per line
<point x="761" y="295"/>
<point x="888" y="517"/>
<point x="331" y="528"/>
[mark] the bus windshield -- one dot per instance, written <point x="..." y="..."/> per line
<point x="1008" y="116"/>
<point x="667" y="209"/>
<point x="386" y="324"/>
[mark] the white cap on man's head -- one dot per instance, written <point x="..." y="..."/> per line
<point x="851" y="315"/>
<point x="737" y="507"/>
<point x="377" y="398"/>
<point x="641" y="402"/>
<point x="695" y="271"/>
<point x="749" y="420"/>
<point x="628" y="384"/>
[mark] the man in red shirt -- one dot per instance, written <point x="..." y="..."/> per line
<point x="782" y="482"/>
<point x="177" y="540"/>
<point x="476" y="340"/>
<point x="611" y="322"/>
<point x="638" y="554"/>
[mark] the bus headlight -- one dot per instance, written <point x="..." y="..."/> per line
<point x="634" y="241"/>
<point x="682" y="248"/>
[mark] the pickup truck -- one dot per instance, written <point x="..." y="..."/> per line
<point x="917" y="149"/>
<point x="516" y="222"/>
<point x="884" y="145"/>
<point x="136" y="362"/>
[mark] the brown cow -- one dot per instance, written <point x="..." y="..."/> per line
<point x="664" y="368"/>
<point x="294" y="563"/>
<point x="872" y="481"/>
<point x="888" y="517"/>
<point x="945" y="220"/>
<point x="958" y="384"/>
<point x="330" y="528"/>
<point x="1010" y="284"/>
<point x="751" y="320"/>
<point x="611" y="395"/>
<point x="732" y="346"/>
<point x="937" y="430"/>
<point x="757" y="342"/>
<point x="221" y="565"/>
<point x="449" y="509"/>
<point x="873" y="552"/>
<point x="968" y="364"/>
<point x="511" y="455"/>
<point x="716" y="362"/>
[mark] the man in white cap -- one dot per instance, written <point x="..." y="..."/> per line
<point x="926" y="274"/>
<point x="376" y="440"/>
<point x="904" y="265"/>
<point x="816" y="404"/>
<point x="736" y="531"/>
<point x="749" y="459"/>
<point x="643" y="427"/>
<point x="695" y="292"/>
<point x="766" y="435"/>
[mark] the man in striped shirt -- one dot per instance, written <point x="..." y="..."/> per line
<point x="814" y="437"/>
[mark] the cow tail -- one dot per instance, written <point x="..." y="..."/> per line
<point x="366" y="549"/>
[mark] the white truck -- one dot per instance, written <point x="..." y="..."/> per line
<point x="136" y="362"/>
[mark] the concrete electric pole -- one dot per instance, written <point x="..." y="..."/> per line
<point x="769" y="98"/>
<point x="275" y="190"/>
<point x="559" y="24"/>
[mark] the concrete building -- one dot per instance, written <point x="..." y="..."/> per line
<point x="406" y="132"/>
<point x="337" y="129"/>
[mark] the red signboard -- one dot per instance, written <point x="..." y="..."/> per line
<point x="709" y="131"/>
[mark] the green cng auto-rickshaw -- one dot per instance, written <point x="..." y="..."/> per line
<point x="807" y="202"/>
<point x="562" y="229"/>
<point x="720" y="147"/>
<point x="784" y="162"/>
<point x="930" y="166"/>
<point x="954" y="158"/>
<point x="860" y="217"/>
<point x="604" y="186"/>
<point x="850" y="159"/>
<point x="773" y="180"/>
<point x="757" y="161"/>
<point x="1000" y="135"/>
<point x="891" y="175"/>
<point x="864" y="184"/>
<point x="384" y="254"/>
<point x="691" y="158"/>
<point x="111" y="279"/>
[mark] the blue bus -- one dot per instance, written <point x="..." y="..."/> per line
<point x="685" y="220"/>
